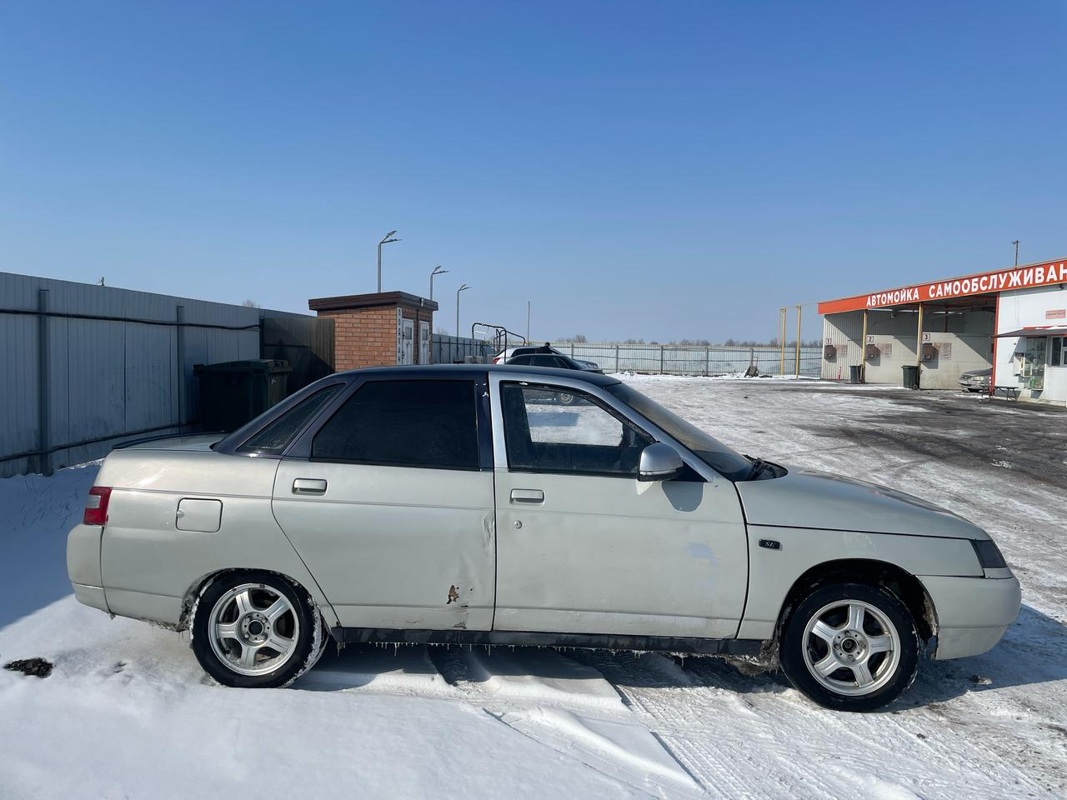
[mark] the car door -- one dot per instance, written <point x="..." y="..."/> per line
<point x="390" y="504"/>
<point x="584" y="547"/>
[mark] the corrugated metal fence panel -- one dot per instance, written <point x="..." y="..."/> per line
<point x="19" y="397"/>
<point x="211" y="333"/>
<point x="106" y="379"/>
<point x="19" y="391"/>
<point x="307" y="343"/>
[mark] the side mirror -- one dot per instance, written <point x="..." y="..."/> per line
<point x="659" y="462"/>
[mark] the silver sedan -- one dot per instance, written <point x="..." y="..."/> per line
<point x="466" y="504"/>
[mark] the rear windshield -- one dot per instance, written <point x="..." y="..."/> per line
<point x="727" y="462"/>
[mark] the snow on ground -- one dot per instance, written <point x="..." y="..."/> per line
<point x="127" y="713"/>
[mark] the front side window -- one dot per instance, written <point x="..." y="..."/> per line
<point x="413" y="423"/>
<point x="724" y="460"/>
<point x="551" y="431"/>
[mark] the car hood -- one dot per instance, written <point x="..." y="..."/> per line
<point x="196" y="442"/>
<point x="805" y="499"/>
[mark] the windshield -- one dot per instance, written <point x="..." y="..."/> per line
<point x="711" y="451"/>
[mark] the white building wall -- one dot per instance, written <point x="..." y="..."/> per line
<point x="1026" y="308"/>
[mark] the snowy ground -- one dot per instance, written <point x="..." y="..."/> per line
<point x="127" y="712"/>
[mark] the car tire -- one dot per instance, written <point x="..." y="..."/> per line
<point x="850" y="647"/>
<point x="565" y="398"/>
<point x="256" y="630"/>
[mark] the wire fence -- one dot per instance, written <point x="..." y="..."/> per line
<point x="658" y="359"/>
<point x="688" y="360"/>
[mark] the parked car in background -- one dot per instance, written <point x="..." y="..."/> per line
<point x="555" y="360"/>
<point x="511" y="352"/>
<point x="977" y="380"/>
<point x="506" y="356"/>
<point x="452" y="504"/>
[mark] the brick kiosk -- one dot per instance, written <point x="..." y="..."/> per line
<point x="375" y="330"/>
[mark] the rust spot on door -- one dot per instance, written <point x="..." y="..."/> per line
<point x="453" y="594"/>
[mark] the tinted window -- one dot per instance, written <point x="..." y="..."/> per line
<point x="564" y="432"/>
<point x="520" y="360"/>
<point x="420" y="423"/>
<point x="547" y="361"/>
<point x="274" y="438"/>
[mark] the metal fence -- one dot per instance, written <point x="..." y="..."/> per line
<point x="656" y="359"/>
<point x="684" y="360"/>
<point x="86" y="366"/>
<point x="458" y="349"/>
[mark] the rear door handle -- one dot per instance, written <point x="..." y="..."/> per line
<point x="527" y="496"/>
<point x="309" y="486"/>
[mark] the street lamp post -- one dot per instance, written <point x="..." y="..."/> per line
<point x="385" y="240"/>
<point x="1016" y="243"/>
<point x="462" y="288"/>
<point x="436" y="271"/>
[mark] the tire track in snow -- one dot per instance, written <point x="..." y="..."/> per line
<point x="751" y="737"/>
<point x="565" y="705"/>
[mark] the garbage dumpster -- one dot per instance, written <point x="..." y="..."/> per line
<point x="911" y="376"/>
<point x="233" y="392"/>
<point x="855" y="374"/>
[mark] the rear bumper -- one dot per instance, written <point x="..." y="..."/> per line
<point x="972" y="613"/>
<point x="83" y="565"/>
<point x="92" y="596"/>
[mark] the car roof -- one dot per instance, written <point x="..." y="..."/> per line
<point x="438" y="370"/>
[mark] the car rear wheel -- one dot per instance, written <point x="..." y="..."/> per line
<point x="255" y="630"/>
<point x="851" y="647"/>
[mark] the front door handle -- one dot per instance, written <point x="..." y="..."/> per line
<point x="527" y="496"/>
<point x="309" y="486"/>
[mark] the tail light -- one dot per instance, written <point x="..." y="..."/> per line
<point x="96" y="505"/>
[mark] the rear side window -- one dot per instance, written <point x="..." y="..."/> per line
<point x="419" y="423"/>
<point x="273" y="439"/>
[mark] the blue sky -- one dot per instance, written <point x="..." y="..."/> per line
<point x="648" y="170"/>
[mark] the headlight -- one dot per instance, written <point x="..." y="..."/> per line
<point x="988" y="553"/>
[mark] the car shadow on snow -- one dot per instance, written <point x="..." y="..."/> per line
<point x="1033" y="651"/>
<point x="431" y="669"/>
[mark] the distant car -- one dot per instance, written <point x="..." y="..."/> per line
<point x="506" y="356"/>
<point x="977" y="380"/>
<point x="450" y="504"/>
<point x="552" y="360"/>
<point x="521" y="350"/>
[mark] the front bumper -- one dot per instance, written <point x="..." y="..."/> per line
<point x="972" y="613"/>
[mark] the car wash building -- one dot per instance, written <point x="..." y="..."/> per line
<point x="927" y="335"/>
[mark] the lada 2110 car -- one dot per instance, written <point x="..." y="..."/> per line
<point x="462" y="504"/>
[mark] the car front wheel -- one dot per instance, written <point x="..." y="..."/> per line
<point x="850" y="647"/>
<point x="255" y="630"/>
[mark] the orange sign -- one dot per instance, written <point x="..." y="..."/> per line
<point x="984" y="283"/>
